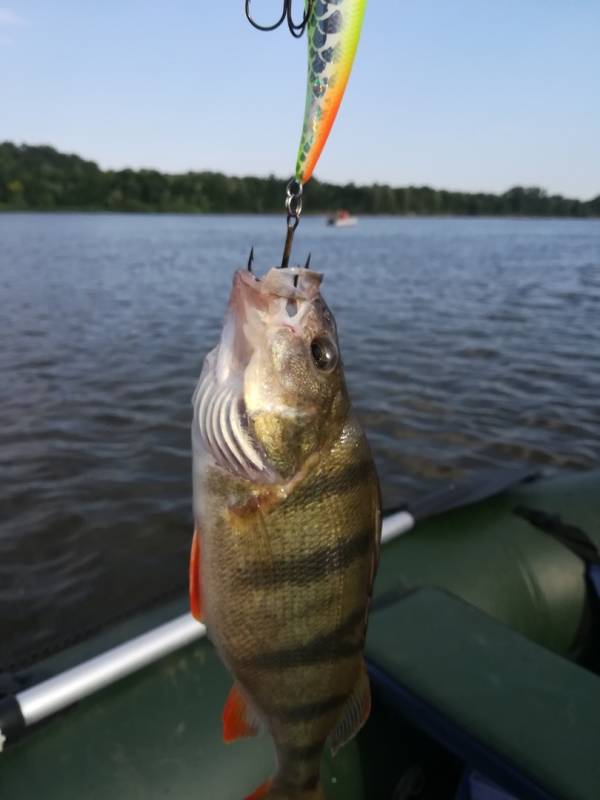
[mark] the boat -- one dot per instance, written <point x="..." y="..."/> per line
<point x="342" y="219"/>
<point x="482" y="653"/>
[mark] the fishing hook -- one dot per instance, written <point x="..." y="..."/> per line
<point x="296" y="28"/>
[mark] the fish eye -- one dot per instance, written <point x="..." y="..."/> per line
<point x="324" y="353"/>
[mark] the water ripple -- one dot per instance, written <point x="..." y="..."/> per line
<point x="468" y="344"/>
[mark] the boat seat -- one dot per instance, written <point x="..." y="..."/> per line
<point x="512" y="711"/>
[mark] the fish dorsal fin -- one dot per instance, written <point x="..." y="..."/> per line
<point x="355" y="713"/>
<point x="239" y="720"/>
<point x="195" y="586"/>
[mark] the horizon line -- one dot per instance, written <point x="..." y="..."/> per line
<point x="285" y="180"/>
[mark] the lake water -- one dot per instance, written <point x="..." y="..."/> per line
<point x="468" y="344"/>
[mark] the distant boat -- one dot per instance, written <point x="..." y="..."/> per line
<point x="342" y="219"/>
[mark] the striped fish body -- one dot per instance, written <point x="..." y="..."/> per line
<point x="288" y="560"/>
<point x="333" y="32"/>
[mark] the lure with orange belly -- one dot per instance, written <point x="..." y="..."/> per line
<point x="333" y="31"/>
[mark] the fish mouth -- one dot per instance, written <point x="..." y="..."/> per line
<point x="295" y="284"/>
<point x="280" y="296"/>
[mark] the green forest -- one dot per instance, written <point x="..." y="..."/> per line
<point x="39" y="178"/>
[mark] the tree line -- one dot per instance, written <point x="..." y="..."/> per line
<point x="41" y="178"/>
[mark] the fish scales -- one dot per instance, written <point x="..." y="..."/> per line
<point x="287" y="567"/>
<point x="266" y="554"/>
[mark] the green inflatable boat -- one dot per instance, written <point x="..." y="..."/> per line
<point x="482" y="653"/>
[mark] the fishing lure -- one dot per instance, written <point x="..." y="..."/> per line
<point x="333" y="29"/>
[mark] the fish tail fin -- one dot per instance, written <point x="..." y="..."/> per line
<point x="268" y="791"/>
<point x="315" y="794"/>
<point x="262" y="791"/>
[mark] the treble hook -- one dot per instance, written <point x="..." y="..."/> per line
<point x="296" y="28"/>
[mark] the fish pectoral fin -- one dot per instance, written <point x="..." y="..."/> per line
<point x="239" y="720"/>
<point x="195" y="587"/>
<point x="355" y="713"/>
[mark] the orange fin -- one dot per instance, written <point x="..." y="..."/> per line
<point x="195" y="588"/>
<point x="355" y="713"/>
<point x="266" y="791"/>
<point x="237" y="718"/>
<point x="262" y="791"/>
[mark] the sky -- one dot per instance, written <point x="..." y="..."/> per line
<point x="469" y="95"/>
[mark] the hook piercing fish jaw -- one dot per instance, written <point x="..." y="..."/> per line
<point x="251" y="259"/>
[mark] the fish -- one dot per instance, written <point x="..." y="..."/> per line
<point x="287" y="526"/>
<point x="333" y="31"/>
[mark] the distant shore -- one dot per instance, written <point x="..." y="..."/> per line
<point x="277" y="214"/>
<point x="40" y="178"/>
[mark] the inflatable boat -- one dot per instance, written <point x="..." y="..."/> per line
<point x="482" y="651"/>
